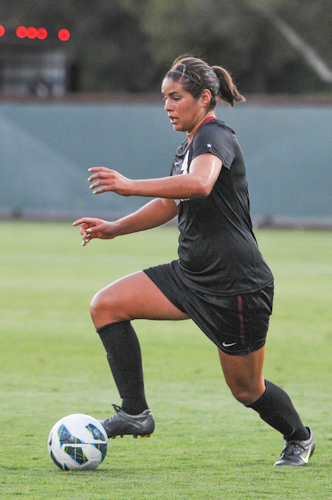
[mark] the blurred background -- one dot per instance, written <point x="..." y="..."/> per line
<point x="80" y="86"/>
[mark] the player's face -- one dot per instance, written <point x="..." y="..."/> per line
<point x="184" y="112"/>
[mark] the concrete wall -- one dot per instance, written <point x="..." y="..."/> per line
<point x="46" y="150"/>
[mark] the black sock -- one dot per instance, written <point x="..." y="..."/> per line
<point x="276" y="409"/>
<point x="124" y="357"/>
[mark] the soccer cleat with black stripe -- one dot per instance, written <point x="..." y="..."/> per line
<point x="298" y="452"/>
<point x="121" y="424"/>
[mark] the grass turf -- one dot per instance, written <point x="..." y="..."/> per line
<point x="206" y="445"/>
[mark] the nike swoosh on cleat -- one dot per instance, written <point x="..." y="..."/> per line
<point x="228" y="345"/>
<point x="306" y="459"/>
<point x="135" y="424"/>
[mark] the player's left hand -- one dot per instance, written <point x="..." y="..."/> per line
<point x="110" y="180"/>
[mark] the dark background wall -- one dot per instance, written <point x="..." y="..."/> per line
<point x="47" y="148"/>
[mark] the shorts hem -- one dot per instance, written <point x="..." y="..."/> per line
<point x="244" y="351"/>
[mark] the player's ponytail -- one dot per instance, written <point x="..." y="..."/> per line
<point x="227" y="89"/>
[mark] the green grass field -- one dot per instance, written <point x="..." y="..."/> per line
<point x="206" y="445"/>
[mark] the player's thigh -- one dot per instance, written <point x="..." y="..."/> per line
<point x="134" y="297"/>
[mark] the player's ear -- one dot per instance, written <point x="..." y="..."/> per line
<point x="206" y="97"/>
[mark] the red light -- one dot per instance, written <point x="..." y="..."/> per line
<point x="41" y="33"/>
<point x="64" y="35"/>
<point x="31" y="33"/>
<point x="21" y="32"/>
<point x="2" y="30"/>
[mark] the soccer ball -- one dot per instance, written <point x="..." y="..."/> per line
<point x="78" y="442"/>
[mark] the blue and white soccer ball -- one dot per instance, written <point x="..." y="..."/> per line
<point x="78" y="442"/>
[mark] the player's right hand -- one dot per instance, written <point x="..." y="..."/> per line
<point x="95" y="228"/>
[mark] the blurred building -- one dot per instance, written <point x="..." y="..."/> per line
<point x="33" y="66"/>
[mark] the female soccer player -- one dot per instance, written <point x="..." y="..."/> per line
<point x="220" y="280"/>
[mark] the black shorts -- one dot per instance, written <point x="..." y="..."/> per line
<point x="237" y="324"/>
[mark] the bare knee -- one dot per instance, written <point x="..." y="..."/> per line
<point x="242" y="396"/>
<point x="104" y="308"/>
<point x="247" y="395"/>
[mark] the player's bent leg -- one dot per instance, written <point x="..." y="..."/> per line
<point x="243" y="375"/>
<point x="133" y="297"/>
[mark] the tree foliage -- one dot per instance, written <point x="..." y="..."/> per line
<point x="127" y="45"/>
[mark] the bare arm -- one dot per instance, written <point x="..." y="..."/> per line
<point x="198" y="183"/>
<point x="204" y="171"/>
<point x="155" y="213"/>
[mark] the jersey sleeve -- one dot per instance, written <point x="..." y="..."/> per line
<point x="215" y="139"/>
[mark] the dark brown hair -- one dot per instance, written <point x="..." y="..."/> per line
<point x="196" y="75"/>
